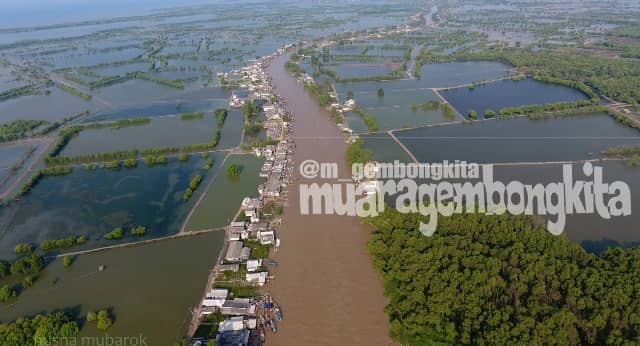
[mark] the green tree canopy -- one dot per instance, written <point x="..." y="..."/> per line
<point x="502" y="280"/>
<point x="233" y="170"/>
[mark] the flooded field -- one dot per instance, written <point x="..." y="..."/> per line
<point x="150" y="289"/>
<point x="223" y="197"/>
<point x="94" y="202"/>
<point x="121" y="69"/>
<point x="402" y="106"/>
<point x="403" y="103"/>
<point x="10" y="154"/>
<point x="137" y="92"/>
<point x="554" y="139"/>
<point x="160" y="132"/>
<point x="589" y="230"/>
<point x="162" y="62"/>
<point x="508" y="93"/>
<point x="384" y="148"/>
<point x="593" y="232"/>
<point x="363" y="69"/>
<point x="52" y="107"/>
<point x="90" y="59"/>
<point x="450" y="74"/>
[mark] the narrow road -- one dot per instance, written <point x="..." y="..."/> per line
<point x="409" y="153"/>
<point x="325" y="280"/>
<point x="138" y="243"/>
<point x="26" y="171"/>
<point x="478" y="83"/>
<point x="58" y="79"/>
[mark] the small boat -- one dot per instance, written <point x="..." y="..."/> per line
<point x="277" y="313"/>
<point x="101" y="268"/>
<point x="272" y="262"/>
<point x="272" y="323"/>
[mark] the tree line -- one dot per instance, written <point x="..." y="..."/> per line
<point x="41" y="329"/>
<point x="193" y="185"/>
<point x="618" y="79"/>
<point x="18" y="129"/>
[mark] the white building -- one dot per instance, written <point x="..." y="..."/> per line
<point x="245" y="253"/>
<point x="237" y="307"/>
<point x="257" y="278"/>
<point x="251" y="203"/>
<point x="215" y="297"/>
<point x="266" y="237"/>
<point x="254" y="265"/>
<point x="231" y="324"/>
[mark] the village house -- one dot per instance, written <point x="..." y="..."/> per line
<point x="257" y="278"/>
<point x="271" y="188"/>
<point x="237" y="323"/>
<point x="233" y="338"/>
<point x="245" y="253"/>
<point x="251" y="203"/>
<point x="266" y="237"/>
<point x="238" y="306"/>
<point x="254" y="265"/>
<point x="238" y="231"/>
<point x="215" y="297"/>
<point x="232" y="324"/>
<point x="234" y="251"/>
<point x="254" y="228"/>
<point x="234" y="267"/>
<point x="253" y="215"/>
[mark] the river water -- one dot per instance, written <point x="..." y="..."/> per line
<point x="325" y="279"/>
